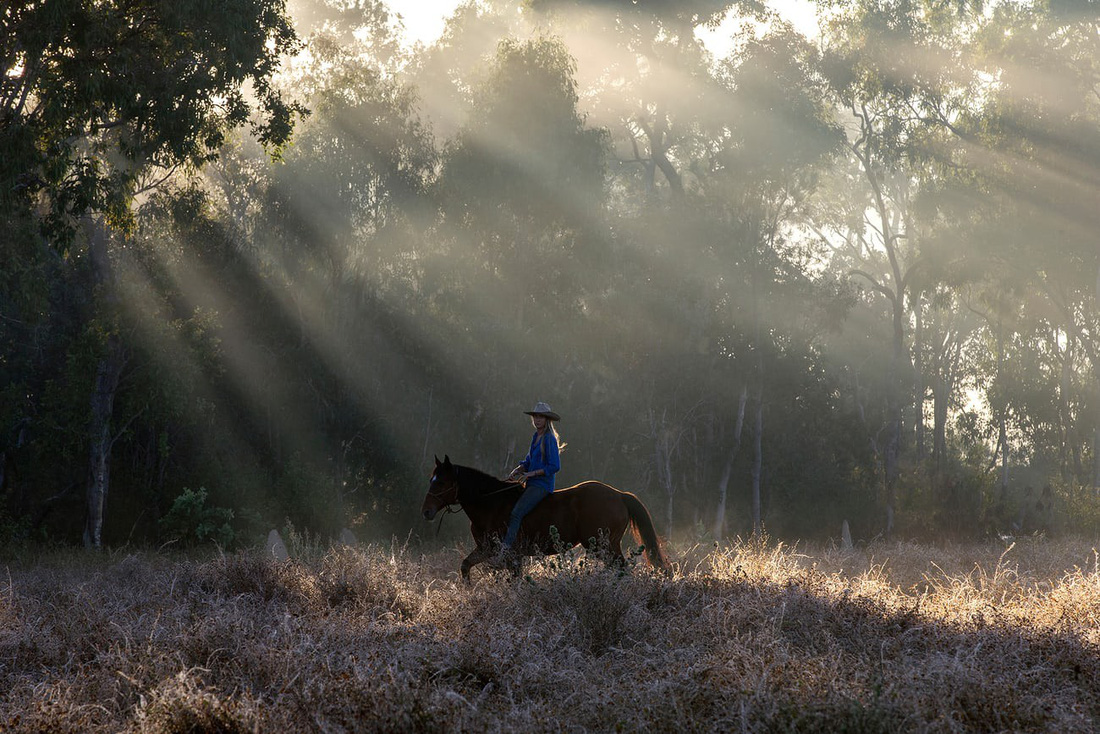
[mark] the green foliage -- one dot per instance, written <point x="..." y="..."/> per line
<point x="191" y="520"/>
<point x="781" y="122"/>
<point x="523" y="179"/>
<point x="95" y="93"/>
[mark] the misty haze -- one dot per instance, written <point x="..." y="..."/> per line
<point x="818" y="285"/>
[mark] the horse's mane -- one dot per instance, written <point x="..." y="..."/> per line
<point x="480" y="483"/>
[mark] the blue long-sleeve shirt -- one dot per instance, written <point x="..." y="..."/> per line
<point x="543" y="454"/>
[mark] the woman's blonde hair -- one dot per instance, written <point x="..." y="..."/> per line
<point x="557" y="436"/>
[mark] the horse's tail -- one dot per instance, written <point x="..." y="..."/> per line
<point x="645" y="532"/>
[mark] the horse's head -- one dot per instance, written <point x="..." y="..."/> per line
<point x="442" y="488"/>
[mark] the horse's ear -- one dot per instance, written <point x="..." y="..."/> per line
<point x="446" y="460"/>
<point x="437" y="460"/>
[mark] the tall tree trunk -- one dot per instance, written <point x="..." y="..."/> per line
<point x="664" y="471"/>
<point x="891" y="472"/>
<point x="894" y="407"/>
<point x="891" y="233"/>
<point x="757" y="461"/>
<point x="940" y="399"/>
<point x="1068" y="460"/>
<point x="663" y="449"/>
<point x="1096" y="429"/>
<point x="919" y="385"/>
<point x="428" y="435"/>
<point x="1002" y="415"/>
<point x="657" y="136"/>
<point x="107" y="375"/>
<point x="758" y="421"/>
<point x="1096" y="455"/>
<point x="727" y="470"/>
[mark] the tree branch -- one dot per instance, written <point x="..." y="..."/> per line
<point x="875" y="285"/>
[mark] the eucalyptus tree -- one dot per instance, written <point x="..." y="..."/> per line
<point x="645" y="75"/>
<point x="757" y="178"/>
<point x="99" y="102"/>
<point x="897" y="70"/>
<point x="526" y="172"/>
<point x="338" y="208"/>
<point x="521" y="190"/>
<point x="1023" y="153"/>
<point x="448" y="73"/>
<point x="633" y="305"/>
<point x="648" y="79"/>
<point x="1039" y="148"/>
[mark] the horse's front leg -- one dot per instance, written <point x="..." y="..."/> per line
<point x="478" y="555"/>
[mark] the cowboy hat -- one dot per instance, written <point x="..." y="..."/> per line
<point x="543" y="409"/>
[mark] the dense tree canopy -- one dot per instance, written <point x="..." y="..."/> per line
<point x="776" y="287"/>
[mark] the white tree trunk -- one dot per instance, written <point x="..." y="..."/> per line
<point x="1096" y="430"/>
<point x="108" y="372"/>
<point x="727" y="471"/>
<point x="757" y="461"/>
<point x="107" y="375"/>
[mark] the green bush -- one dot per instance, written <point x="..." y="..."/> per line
<point x="191" y="521"/>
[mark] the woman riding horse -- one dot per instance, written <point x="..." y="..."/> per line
<point x="584" y="513"/>
<point x="537" y="470"/>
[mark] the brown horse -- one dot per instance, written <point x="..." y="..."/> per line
<point x="568" y="517"/>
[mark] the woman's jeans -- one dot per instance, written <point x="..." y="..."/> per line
<point x="526" y="502"/>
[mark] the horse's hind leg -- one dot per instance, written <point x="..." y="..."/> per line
<point x="608" y="546"/>
<point x="615" y="557"/>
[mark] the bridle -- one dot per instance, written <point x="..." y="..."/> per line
<point x="449" y="508"/>
<point x="439" y="493"/>
<point x="453" y="485"/>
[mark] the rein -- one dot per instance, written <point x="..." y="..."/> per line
<point x="506" y="488"/>
<point x="449" y="508"/>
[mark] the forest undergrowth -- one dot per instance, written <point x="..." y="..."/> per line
<point x="755" y="636"/>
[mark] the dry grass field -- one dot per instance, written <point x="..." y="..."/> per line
<point x="752" y="637"/>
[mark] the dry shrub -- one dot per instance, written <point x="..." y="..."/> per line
<point x="366" y="581"/>
<point x="181" y="706"/>
<point x="752" y="637"/>
<point x="54" y="707"/>
<point x="600" y="607"/>
<point x="258" y="578"/>
<point x="1073" y="602"/>
<point x="362" y="694"/>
